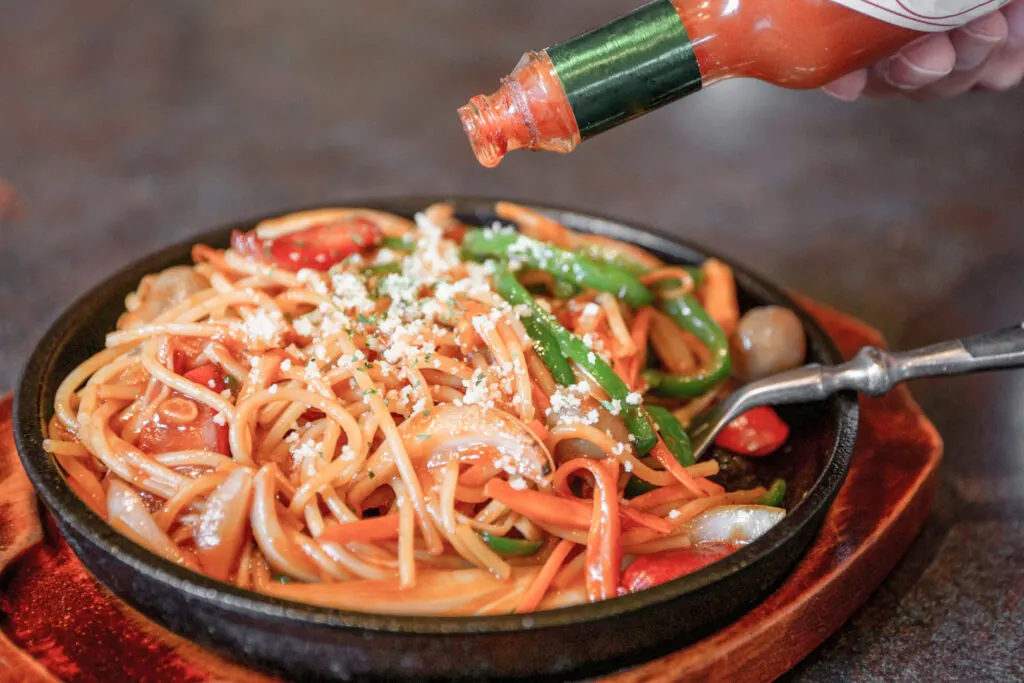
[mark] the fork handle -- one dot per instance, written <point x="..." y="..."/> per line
<point x="874" y="371"/>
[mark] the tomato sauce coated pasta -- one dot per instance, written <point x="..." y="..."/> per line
<point x="353" y="409"/>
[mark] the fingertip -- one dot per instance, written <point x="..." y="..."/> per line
<point x="849" y="87"/>
<point x="920" y="63"/>
<point x="1003" y="71"/>
<point x="975" y="42"/>
<point x="1014" y="15"/>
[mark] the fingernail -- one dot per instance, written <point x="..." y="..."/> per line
<point x="973" y="49"/>
<point x="917" y="52"/>
<point x="887" y="73"/>
<point x="906" y="71"/>
<point x="847" y="88"/>
<point x="840" y="94"/>
<point x="978" y="33"/>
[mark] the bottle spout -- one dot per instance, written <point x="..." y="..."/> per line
<point x="485" y="129"/>
<point x="528" y="111"/>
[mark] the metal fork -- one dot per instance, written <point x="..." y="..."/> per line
<point x="872" y="371"/>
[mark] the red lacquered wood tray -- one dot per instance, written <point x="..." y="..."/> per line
<point x="61" y="625"/>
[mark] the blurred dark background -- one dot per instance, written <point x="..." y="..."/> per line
<point x="126" y="126"/>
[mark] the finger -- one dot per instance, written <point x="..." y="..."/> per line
<point x="974" y="44"/>
<point x="1003" y="70"/>
<point x="1014" y="13"/>
<point x="848" y="87"/>
<point x="957" y="83"/>
<point x="920" y="63"/>
<point x="977" y="40"/>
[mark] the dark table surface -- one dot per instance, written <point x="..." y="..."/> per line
<point x="127" y="126"/>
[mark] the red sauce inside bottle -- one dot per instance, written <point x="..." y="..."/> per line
<point x="792" y="43"/>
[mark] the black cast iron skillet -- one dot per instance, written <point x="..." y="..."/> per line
<point x="305" y="642"/>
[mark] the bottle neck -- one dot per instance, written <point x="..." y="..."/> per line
<point x="626" y="68"/>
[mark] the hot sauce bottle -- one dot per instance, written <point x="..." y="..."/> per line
<point x="667" y="49"/>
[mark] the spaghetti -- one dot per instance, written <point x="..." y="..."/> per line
<point x="357" y="410"/>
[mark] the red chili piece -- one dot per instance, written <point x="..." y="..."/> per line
<point x="757" y="432"/>
<point x="652" y="570"/>
<point x="317" y="247"/>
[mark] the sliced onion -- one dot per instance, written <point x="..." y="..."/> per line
<point x="221" y="530"/>
<point x="435" y="436"/>
<point x="581" y="448"/>
<point x="158" y="293"/>
<point x="127" y="513"/>
<point x="734" y="523"/>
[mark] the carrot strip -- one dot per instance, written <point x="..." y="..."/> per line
<point x="630" y="517"/>
<point x="535" y="593"/>
<point x="710" y="487"/>
<point x="604" y="551"/>
<point x="475" y="475"/>
<point x="659" y="496"/>
<point x="720" y="295"/>
<point x="624" y="345"/>
<point x="641" y="331"/>
<point x="538" y="428"/>
<point x="643" y="519"/>
<point x="663" y="455"/>
<point x="533" y="224"/>
<point x="570" y="572"/>
<point x="542" y="508"/>
<point x="469" y="338"/>
<point x="364" y="531"/>
<point x="637" y="536"/>
<point x="550" y="510"/>
<point x="623" y="369"/>
<point x="540" y="399"/>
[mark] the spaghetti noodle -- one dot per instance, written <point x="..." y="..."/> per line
<point x="357" y="410"/>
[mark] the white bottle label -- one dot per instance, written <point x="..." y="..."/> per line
<point x="925" y="15"/>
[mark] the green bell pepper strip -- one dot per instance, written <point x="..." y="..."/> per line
<point x="231" y="383"/>
<point x="774" y="495"/>
<point x="675" y="438"/>
<point x="688" y="315"/>
<point x="511" y="547"/>
<point x="398" y="244"/>
<point x="605" y="254"/>
<point x="673" y="434"/>
<point x="383" y="269"/>
<point x="546" y="346"/>
<point x="636" y="487"/>
<point x="559" y="289"/>
<point x="562" y="264"/>
<point x="687" y="312"/>
<point x="639" y="425"/>
<point x="564" y="290"/>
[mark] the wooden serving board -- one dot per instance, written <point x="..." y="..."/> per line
<point x="60" y="625"/>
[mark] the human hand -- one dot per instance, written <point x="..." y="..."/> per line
<point x="986" y="54"/>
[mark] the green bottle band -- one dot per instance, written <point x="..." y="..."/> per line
<point x="626" y="68"/>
